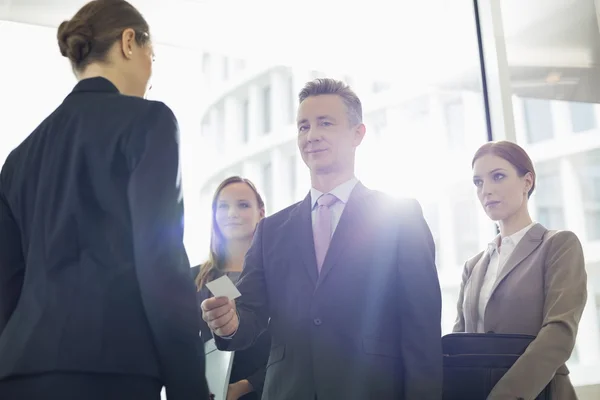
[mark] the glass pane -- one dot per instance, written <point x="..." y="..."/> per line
<point x="415" y="109"/>
<point x="267" y="183"/>
<point x="538" y="119"/>
<point x="245" y="120"/>
<point x="424" y="118"/>
<point x="588" y="171"/>
<point x="583" y="116"/>
<point x="266" y="109"/>
<point x="553" y="51"/>
<point x="455" y="121"/>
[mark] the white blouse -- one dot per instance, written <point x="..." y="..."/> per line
<point x="498" y="257"/>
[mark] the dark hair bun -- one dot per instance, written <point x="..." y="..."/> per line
<point x="74" y="41"/>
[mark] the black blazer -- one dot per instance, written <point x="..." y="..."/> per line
<point x="94" y="277"/>
<point x="368" y="326"/>
<point x="248" y="364"/>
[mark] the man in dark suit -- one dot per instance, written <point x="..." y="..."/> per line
<point x="345" y="280"/>
<point x="96" y="300"/>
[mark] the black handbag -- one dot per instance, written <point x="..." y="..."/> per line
<point x="475" y="362"/>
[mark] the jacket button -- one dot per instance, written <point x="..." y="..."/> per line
<point x="317" y="321"/>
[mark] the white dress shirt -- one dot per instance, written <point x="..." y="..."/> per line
<point x="498" y="257"/>
<point x="342" y="192"/>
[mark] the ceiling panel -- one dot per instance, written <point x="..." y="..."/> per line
<point x="407" y="38"/>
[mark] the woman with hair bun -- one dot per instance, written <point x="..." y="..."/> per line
<point x="96" y="300"/>
<point x="109" y="39"/>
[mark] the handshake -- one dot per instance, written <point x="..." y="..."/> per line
<point x="221" y="316"/>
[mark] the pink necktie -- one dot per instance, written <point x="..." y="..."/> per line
<point x="323" y="229"/>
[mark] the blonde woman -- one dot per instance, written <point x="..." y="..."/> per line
<point x="237" y="207"/>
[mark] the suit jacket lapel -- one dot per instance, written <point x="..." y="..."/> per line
<point x="474" y="290"/>
<point x="347" y="230"/>
<point x="526" y="246"/>
<point x="302" y="235"/>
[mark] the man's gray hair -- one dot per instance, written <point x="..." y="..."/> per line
<point x="331" y="86"/>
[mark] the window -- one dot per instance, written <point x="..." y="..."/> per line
<point x="548" y="201"/>
<point x="546" y="47"/>
<point x="239" y="65"/>
<point x="245" y="121"/>
<point x="225" y="68"/>
<point x="266" y="100"/>
<point x="267" y="184"/>
<point x="378" y="87"/>
<point x="292" y="101"/>
<point x="206" y="63"/>
<point x="549" y="55"/>
<point x="413" y="60"/>
<point x="466" y="234"/>
<point x="377" y="122"/>
<point x="220" y="129"/>
<point x="317" y="74"/>
<point x="590" y="192"/>
<point x="538" y="120"/>
<point x="583" y="116"/>
<point x="455" y="123"/>
<point x="206" y="125"/>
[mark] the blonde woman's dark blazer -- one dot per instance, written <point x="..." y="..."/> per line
<point x="541" y="290"/>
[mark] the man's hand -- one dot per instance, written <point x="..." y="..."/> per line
<point x="220" y="315"/>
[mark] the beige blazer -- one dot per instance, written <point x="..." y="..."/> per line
<point x="541" y="291"/>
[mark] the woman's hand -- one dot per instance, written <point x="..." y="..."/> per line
<point x="239" y="389"/>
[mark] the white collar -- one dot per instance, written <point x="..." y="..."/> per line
<point x="342" y="192"/>
<point x="513" y="239"/>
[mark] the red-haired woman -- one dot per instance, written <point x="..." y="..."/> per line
<point x="530" y="280"/>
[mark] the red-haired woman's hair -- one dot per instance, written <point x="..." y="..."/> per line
<point x="511" y="152"/>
